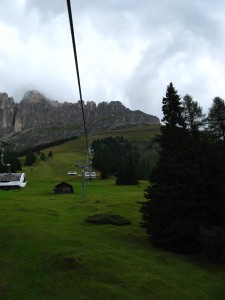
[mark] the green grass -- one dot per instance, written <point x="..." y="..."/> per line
<point x="48" y="251"/>
<point x="138" y="133"/>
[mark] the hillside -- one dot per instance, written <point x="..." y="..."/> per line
<point x="49" y="252"/>
<point x="140" y="136"/>
<point x="38" y="120"/>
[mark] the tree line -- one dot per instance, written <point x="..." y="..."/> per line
<point x="12" y="157"/>
<point x="185" y="200"/>
<point x="116" y="156"/>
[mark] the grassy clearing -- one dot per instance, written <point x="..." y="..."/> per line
<point x="49" y="252"/>
<point x="139" y="133"/>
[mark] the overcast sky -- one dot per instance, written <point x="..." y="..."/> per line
<point x="128" y="50"/>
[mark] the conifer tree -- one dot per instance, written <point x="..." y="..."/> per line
<point x="30" y="159"/>
<point x="127" y="173"/>
<point x="185" y="198"/>
<point x="42" y="156"/>
<point x="50" y="154"/>
<point x="167" y="213"/>
<point x="10" y="157"/>
<point x="172" y="108"/>
<point x="116" y="156"/>
<point x="192" y="113"/>
<point x="216" y="118"/>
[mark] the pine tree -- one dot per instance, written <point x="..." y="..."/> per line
<point x="50" y="154"/>
<point x="192" y="113"/>
<point x="187" y="185"/>
<point x="172" y="108"/>
<point x="127" y="173"/>
<point x="42" y="156"/>
<point x="30" y="159"/>
<point x="10" y="157"/>
<point x="116" y="156"/>
<point x="216" y="118"/>
<point x="167" y="213"/>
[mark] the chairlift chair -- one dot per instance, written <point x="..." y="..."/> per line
<point x="9" y="181"/>
<point x="90" y="175"/>
<point x="72" y="173"/>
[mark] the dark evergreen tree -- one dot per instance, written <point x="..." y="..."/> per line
<point x="50" y="154"/>
<point x="42" y="156"/>
<point x="192" y="113"/>
<point x="172" y="108"/>
<point x="104" y="173"/>
<point x="216" y="118"/>
<point x="143" y="169"/>
<point x="127" y="173"/>
<point x="104" y="159"/>
<point x="114" y="156"/>
<point x="168" y="215"/>
<point x="10" y="157"/>
<point x="187" y="185"/>
<point x="30" y="159"/>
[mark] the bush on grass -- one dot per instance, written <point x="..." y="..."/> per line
<point x="107" y="219"/>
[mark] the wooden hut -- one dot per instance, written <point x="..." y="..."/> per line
<point x="63" y="188"/>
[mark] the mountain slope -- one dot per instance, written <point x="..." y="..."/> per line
<point x="37" y="120"/>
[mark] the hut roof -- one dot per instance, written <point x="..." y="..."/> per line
<point x="61" y="184"/>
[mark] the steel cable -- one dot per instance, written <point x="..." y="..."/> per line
<point x="78" y="75"/>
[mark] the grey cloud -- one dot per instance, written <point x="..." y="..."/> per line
<point x="46" y="8"/>
<point x="166" y="40"/>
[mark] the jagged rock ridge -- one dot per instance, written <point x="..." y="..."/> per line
<point x="40" y="120"/>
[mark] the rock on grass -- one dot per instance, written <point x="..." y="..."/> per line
<point x="107" y="219"/>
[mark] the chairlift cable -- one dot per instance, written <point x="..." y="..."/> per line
<point x="78" y="75"/>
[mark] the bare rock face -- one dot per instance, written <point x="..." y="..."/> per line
<point x="49" y="120"/>
<point x="35" y="110"/>
<point x="7" y="114"/>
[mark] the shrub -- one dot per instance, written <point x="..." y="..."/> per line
<point x="107" y="219"/>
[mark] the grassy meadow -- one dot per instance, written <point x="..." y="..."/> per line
<point x="48" y="251"/>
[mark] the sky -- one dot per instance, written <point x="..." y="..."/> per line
<point x="128" y="50"/>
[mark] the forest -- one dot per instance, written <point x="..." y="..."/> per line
<point x="185" y="208"/>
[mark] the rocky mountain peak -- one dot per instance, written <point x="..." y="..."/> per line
<point x="33" y="96"/>
<point x="55" y="120"/>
